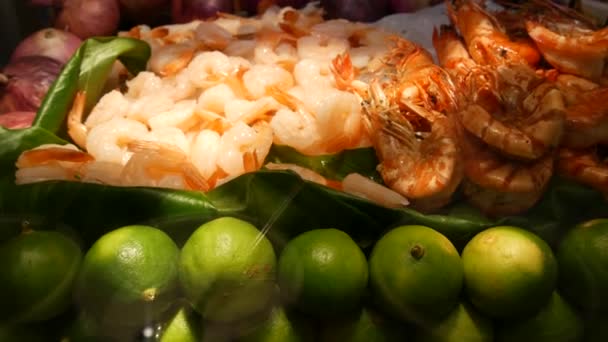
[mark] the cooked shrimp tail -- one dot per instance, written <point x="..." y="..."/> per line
<point x="157" y="164"/>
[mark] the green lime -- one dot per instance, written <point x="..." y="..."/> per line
<point x="184" y="326"/>
<point x="38" y="272"/>
<point x="281" y="326"/>
<point x="86" y="328"/>
<point x="364" y="325"/>
<point x="227" y="269"/>
<point x="596" y="328"/>
<point x="415" y="273"/>
<point x="583" y="265"/>
<point x="464" y="323"/>
<point x="22" y="333"/>
<point x="323" y="272"/>
<point x="129" y="276"/>
<point x="508" y="272"/>
<point x="556" y="321"/>
<point x="13" y="225"/>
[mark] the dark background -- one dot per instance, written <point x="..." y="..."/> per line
<point x="17" y="20"/>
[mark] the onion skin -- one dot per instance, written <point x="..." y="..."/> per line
<point x="49" y="42"/>
<point x="89" y="18"/>
<point x="292" y="3"/>
<point x="183" y="11"/>
<point x="405" y="6"/>
<point x="356" y="10"/>
<point x="15" y="120"/>
<point x="144" y="11"/>
<point x="28" y="80"/>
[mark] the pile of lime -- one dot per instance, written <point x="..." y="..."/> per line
<point x="229" y="282"/>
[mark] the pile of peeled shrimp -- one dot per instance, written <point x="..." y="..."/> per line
<point x="508" y="106"/>
<point x="214" y="98"/>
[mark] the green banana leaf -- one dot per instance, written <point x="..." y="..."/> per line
<point x="279" y="203"/>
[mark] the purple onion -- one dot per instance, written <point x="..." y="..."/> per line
<point x="26" y="82"/>
<point x="187" y="10"/>
<point x="356" y="10"/>
<point x="50" y="42"/>
<point x="404" y="6"/>
<point x="16" y="120"/>
<point x="144" y="11"/>
<point x="88" y="18"/>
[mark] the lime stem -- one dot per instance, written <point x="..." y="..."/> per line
<point x="417" y="252"/>
<point x="26" y="227"/>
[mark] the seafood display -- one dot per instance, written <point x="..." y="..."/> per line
<point x="506" y="106"/>
<point x="218" y="94"/>
<point x="521" y="105"/>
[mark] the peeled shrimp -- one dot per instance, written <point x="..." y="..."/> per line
<point x="335" y="125"/>
<point x="212" y="35"/>
<point x="259" y="77"/>
<point x="170" y="59"/>
<point x="243" y="148"/>
<point x="353" y="183"/>
<point x="182" y="115"/>
<point x="205" y="153"/>
<point x="320" y="48"/>
<point x="51" y="162"/>
<point x="275" y="47"/>
<point x="210" y="67"/>
<point x="340" y="121"/>
<point x="170" y="136"/>
<point x="144" y="84"/>
<point x="312" y="73"/>
<point x="111" y="105"/>
<point x="214" y="99"/>
<point x="297" y="129"/>
<point x="250" y="111"/>
<point x="108" y="140"/>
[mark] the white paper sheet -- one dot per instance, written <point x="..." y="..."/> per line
<point x="417" y="26"/>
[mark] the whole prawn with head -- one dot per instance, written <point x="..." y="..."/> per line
<point x="417" y="148"/>
<point x="486" y="38"/>
<point x="567" y="39"/>
<point x="405" y="110"/>
<point x="509" y="106"/>
<point x="507" y="161"/>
